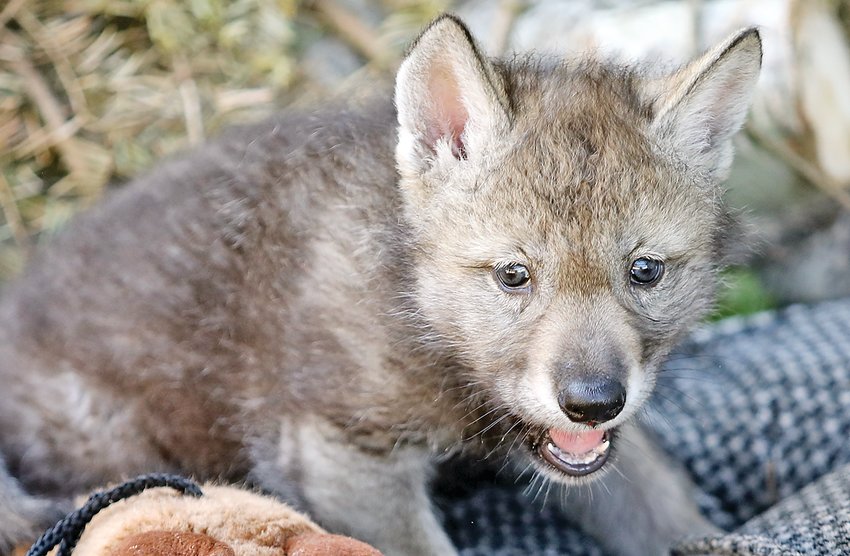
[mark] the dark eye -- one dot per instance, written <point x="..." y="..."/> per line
<point x="646" y="271"/>
<point x="512" y="277"/>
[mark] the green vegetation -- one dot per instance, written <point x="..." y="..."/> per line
<point x="743" y="294"/>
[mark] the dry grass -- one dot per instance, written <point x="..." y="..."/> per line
<point x="94" y="91"/>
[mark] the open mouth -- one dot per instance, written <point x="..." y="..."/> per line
<point x="574" y="453"/>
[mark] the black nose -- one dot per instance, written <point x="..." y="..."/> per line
<point x="593" y="400"/>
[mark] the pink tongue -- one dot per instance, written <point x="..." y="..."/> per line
<point x="576" y="442"/>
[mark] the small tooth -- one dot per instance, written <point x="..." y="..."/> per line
<point x="575" y="459"/>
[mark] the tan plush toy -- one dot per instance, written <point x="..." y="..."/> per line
<point x="222" y="521"/>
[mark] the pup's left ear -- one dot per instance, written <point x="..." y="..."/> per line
<point x="700" y="107"/>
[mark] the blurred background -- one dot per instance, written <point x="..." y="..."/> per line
<point x="93" y="92"/>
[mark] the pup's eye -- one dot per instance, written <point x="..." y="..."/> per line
<point x="512" y="277"/>
<point x="646" y="271"/>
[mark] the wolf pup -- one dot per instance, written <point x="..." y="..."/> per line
<point x="326" y="303"/>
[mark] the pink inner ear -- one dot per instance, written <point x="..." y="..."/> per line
<point x="449" y="116"/>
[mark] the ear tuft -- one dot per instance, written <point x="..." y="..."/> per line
<point x="705" y="103"/>
<point x="449" y="97"/>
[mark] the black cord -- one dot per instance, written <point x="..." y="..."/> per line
<point x="67" y="531"/>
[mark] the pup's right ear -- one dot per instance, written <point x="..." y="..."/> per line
<point x="450" y="99"/>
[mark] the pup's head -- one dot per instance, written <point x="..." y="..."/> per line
<point x="567" y="223"/>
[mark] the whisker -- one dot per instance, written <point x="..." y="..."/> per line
<point x="483" y="431"/>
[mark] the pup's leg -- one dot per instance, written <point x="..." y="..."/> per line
<point x="379" y="497"/>
<point x="22" y="517"/>
<point x="644" y="504"/>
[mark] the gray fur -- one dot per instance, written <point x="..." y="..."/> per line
<point x="24" y="516"/>
<point x="308" y="302"/>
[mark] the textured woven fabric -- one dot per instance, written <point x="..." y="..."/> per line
<point x="814" y="521"/>
<point x="756" y="409"/>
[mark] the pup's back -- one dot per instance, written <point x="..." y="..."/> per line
<point x="158" y="319"/>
